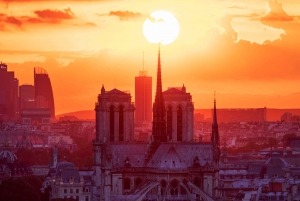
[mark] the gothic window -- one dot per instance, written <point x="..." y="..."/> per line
<point x="197" y="181"/>
<point x="169" y="122"/>
<point x="112" y="122"/>
<point x="138" y="181"/>
<point x="163" y="184"/>
<point x="127" y="184"/>
<point x="174" y="187"/>
<point x="179" y="123"/>
<point x="121" y="123"/>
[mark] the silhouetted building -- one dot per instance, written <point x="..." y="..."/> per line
<point x="39" y="117"/>
<point x="180" y="114"/>
<point x="43" y="90"/>
<point x="9" y="105"/>
<point x="27" y="96"/>
<point x="114" y="114"/>
<point x="143" y="98"/>
<point x="155" y="170"/>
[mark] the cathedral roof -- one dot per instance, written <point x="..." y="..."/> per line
<point x="181" y="155"/>
<point x="116" y="91"/>
<point x="174" y="90"/>
<point x="168" y="159"/>
<point x="135" y="152"/>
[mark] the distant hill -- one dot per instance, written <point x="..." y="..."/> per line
<point x="82" y="115"/>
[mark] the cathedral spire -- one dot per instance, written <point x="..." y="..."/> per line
<point x="159" y="122"/>
<point x="215" y="111"/>
<point x="215" y="136"/>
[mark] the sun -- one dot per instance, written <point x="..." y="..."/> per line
<point x="161" y="27"/>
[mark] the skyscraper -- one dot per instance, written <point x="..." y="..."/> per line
<point x="8" y="94"/>
<point x="143" y="98"/>
<point x="27" y="96"/>
<point x="43" y="90"/>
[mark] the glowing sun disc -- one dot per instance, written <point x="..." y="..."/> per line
<point x="161" y="27"/>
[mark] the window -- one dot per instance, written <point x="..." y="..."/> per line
<point x="86" y="198"/>
<point x="71" y="190"/>
<point x="121" y="123"/>
<point x="169" y="122"/>
<point x="87" y="190"/>
<point x="65" y="191"/>
<point x="112" y="123"/>
<point x="127" y="184"/>
<point x="179" y="124"/>
<point x="77" y="190"/>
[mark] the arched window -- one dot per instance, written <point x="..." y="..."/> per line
<point x="174" y="187"/>
<point x="169" y="122"/>
<point x="179" y="123"/>
<point x="163" y="184"/>
<point x="112" y="123"/>
<point x="138" y="181"/>
<point x="197" y="181"/>
<point x="121" y="123"/>
<point x="127" y="184"/>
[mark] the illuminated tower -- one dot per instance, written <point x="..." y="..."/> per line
<point x="159" y="121"/>
<point x="43" y="90"/>
<point x="143" y="98"/>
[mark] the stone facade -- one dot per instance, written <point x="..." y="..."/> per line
<point x="65" y="181"/>
<point x="181" y="170"/>
<point x="179" y="114"/>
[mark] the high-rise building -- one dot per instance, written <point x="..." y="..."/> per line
<point x="27" y="96"/>
<point x="8" y="94"/>
<point x="143" y="98"/>
<point x="43" y="90"/>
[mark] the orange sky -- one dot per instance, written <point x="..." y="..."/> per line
<point x="247" y="51"/>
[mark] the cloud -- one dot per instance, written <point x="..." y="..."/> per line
<point x="239" y="6"/>
<point x="276" y="12"/>
<point x="125" y="15"/>
<point x="55" y="16"/>
<point x="14" y="21"/>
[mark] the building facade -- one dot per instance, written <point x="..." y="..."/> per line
<point x="159" y="169"/>
<point x="27" y="96"/>
<point x="143" y="98"/>
<point x="179" y="114"/>
<point x="43" y="90"/>
<point x="9" y="102"/>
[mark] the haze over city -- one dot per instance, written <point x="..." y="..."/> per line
<point x="244" y="50"/>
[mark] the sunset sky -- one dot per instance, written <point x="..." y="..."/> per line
<point x="248" y="51"/>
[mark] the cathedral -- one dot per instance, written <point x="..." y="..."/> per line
<point x="170" y="166"/>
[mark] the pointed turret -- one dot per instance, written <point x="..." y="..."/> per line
<point x="215" y="137"/>
<point x="102" y="89"/>
<point x="183" y="88"/>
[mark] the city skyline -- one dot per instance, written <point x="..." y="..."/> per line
<point x="246" y="51"/>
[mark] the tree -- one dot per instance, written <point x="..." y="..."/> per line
<point x="272" y="142"/>
<point x="19" y="190"/>
<point x="286" y="138"/>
